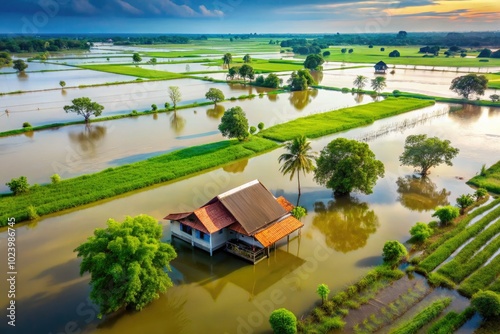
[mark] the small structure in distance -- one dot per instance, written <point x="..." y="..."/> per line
<point x="381" y="67"/>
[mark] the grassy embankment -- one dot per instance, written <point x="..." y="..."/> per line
<point x="115" y="181"/>
<point x="409" y="56"/>
<point x="133" y="71"/>
<point x="318" y="125"/>
<point x="489" y="180"/>
<point x="82" y="190"/>
<point x="451" y="322"/>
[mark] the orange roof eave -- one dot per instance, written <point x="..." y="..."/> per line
<point x="277" y="231"/>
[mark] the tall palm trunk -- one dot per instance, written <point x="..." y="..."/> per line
<point x="298" y="182"/>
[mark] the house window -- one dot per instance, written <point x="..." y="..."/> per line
<point x="202" y="236"/>
<point x="186" y="229"/>
<point x="221" y="231"/>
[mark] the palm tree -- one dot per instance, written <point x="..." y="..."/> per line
<point x="360" y="82"/>
<point x="378" y="84"/>
<point x="298" y="158"/>
<point x="227" y="59"/>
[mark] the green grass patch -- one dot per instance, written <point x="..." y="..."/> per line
<point x="86" y="189"/>
<point x="490" y="180"/>
<point x="451" y="322"/>
<point x="423" y="317"/>
<point x="409" y="56"/>
<point x="467" y="261"/>
<point x="495" y="286"/>
<point x="322" y="124"/>
<point x="481" y="278"/>
<point x="133" y="71"/>
<point x="449" y="246"/>
<point x="493" y="81"/>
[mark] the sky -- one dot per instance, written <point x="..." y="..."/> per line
<point x="247" y="16"/>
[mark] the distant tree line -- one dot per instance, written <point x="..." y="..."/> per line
<point x="149" y="40"/>
<point x="35" y="44"/>
<point x="303" y="46"/>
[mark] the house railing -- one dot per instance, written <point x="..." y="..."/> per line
<point x="245" y="251"/>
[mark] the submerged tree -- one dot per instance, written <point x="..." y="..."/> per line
<point x="313" y="62"/>
<point x="425" y="153"/>
<point x="126" y="262"/>
<point x="378" y="84"/>
<point x="227" y="59"/>
<point x="298" y="158"/>
<point x="360" y="82"/>
<point x="469" y="84"/>
<point x="301" y="80"/>
<point x="175" y="95"/>
<point x="85" y="107"/>
<point x="234" y="124"/>
<point x="214" y="95"/>
<point x="136" y="58"/>
<point x="246" y="71"/>
<point x="19" y="65"/>
<point x="348" y="165"/>
<point x="247" y="58"/>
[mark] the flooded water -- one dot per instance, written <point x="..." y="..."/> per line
<point x="49" y="80"/>
<point x="77" y="149"/>
<point x="346" y="233"/>
<point x="183" y="67"/>
<point x="40" y="108"/>
<point x="429" y="82"/>
<point x="37" y="66"/>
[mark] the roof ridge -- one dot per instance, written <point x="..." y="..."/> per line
<point x="237" y="189"/>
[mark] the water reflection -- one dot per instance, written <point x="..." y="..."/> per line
<point x="420" y="194"/>
<point x="22" y="76"/>
<point x="346" y="223"/>
<point x="237" y="167"/>
<point x="358" y="97"/>
<point x="177" y="122"/>
<point x="467" y="115"/>
<point x="300" y="99"/>
<point x="88" y="139"/>
<point x="317" y="75"/>
<point x="216" y="112"/>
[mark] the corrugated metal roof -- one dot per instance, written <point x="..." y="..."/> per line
<point x="279" y="230"/>
<point x="252" y="205"/>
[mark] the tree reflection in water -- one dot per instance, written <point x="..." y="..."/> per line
<point x="317" y="76"/>
<point x="420" y="194"/>
<point x="300" y="99"/>
<point x="467" y="115"/>
<point x="177" y="122"/>
<point x="358" y="97"/>
<point x="237" y="167"/>
<point x="88" y="139"/>
<point x="216" y="112"/>
<point x="345" y="222"/>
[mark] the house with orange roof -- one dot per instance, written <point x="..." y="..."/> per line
<point x="246" y="221"/>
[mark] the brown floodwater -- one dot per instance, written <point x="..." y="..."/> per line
<point x="342" y="238"/>
<point x="46" y="107"/>
<point x="78" y="149"/>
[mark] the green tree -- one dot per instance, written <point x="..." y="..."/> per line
<point x="420" y="232"/>
<point x="5" y="59"/>
<point x="301" y="80"/>
<point x="232" y="72"/>
<point x="487" y="303"/>
<point x="153" y="61"/>
<point x="62" y="84"/>
<point x="485" y="53"/>
<point x="425" y="153"/>
<point x="350" y="51"/>
<point x="360" y="82"/>
<point x="343" y="50"/>
<point x="85" y="107"/>
<point x="283" y="321"/>
<point x="495" y="98"/>
<point x="298" y="212"/>
<point x="19" y="185"/>
<point x="55" y="178"/>
<point x="313" y="62"/>
<point x="394" y="54"/>
<point x="469" y="84"/>
<point x="378" y="84"/>
<point x="464" y="201"/>
<point x="326" y="53"/>
<point x="227" y="59"/>
<point x="19" y="65"/>
<point x="126" y="262"/>
<point x="348" y="165"/>
<point x="298" y="158"/>
<point x="394" y="252"/>
<point x="446" y="214"/>
<point x="253" y="129"/>
<point x="480" y="193"/>
<point x="260" y="126"/>
<point x="246" y="71"/>
<point x="323" y="291"/>
<point x="136" y="58"/>
<point x="272" y="81"/>
<point x="247" y="58"/>
<point x="154" y="107"/>
<point x="215" y="95"/>
<point x="175" y="95"/>
<point x="234" y="124"/>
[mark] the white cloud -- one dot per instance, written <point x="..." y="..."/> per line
<point x="210" y="13"/>
<point x="84" y="7"/>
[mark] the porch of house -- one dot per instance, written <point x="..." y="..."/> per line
<point x="246" y="251"/>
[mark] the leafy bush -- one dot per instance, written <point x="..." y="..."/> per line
<point x="332" y="323"/>
<point x="487" y="303"/>
<point x="464" y="201"/>
<point x="31" y="212"/>
<point x="382" y="49"/>
<point x="323" y="291"/>
<point x="495" y="98"/>
<point x="260" y="126"/>
<point x="394" y="54"/>
<point x="167" y="105"/>
<point x="27" y="125"/>
<point x="480" y="193"/>
<point x="283" y="321"/>
<point x="154" y="107"/>
<point x="446" y="214"/>
<point x="394" y="252"/>
<point x="396" y="92"/>
<point x="18" y="186"/>
<point x="420" y="232"/>
<point x="298" y="212"/>
<point x="345" y="90"/>
<point x="253" y="129"/>
<point x="55" y="178"/>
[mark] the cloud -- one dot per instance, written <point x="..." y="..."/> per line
<point x="128" y="8"/>
<point x="208" y="13"/>
<point x="84" y="7"/>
